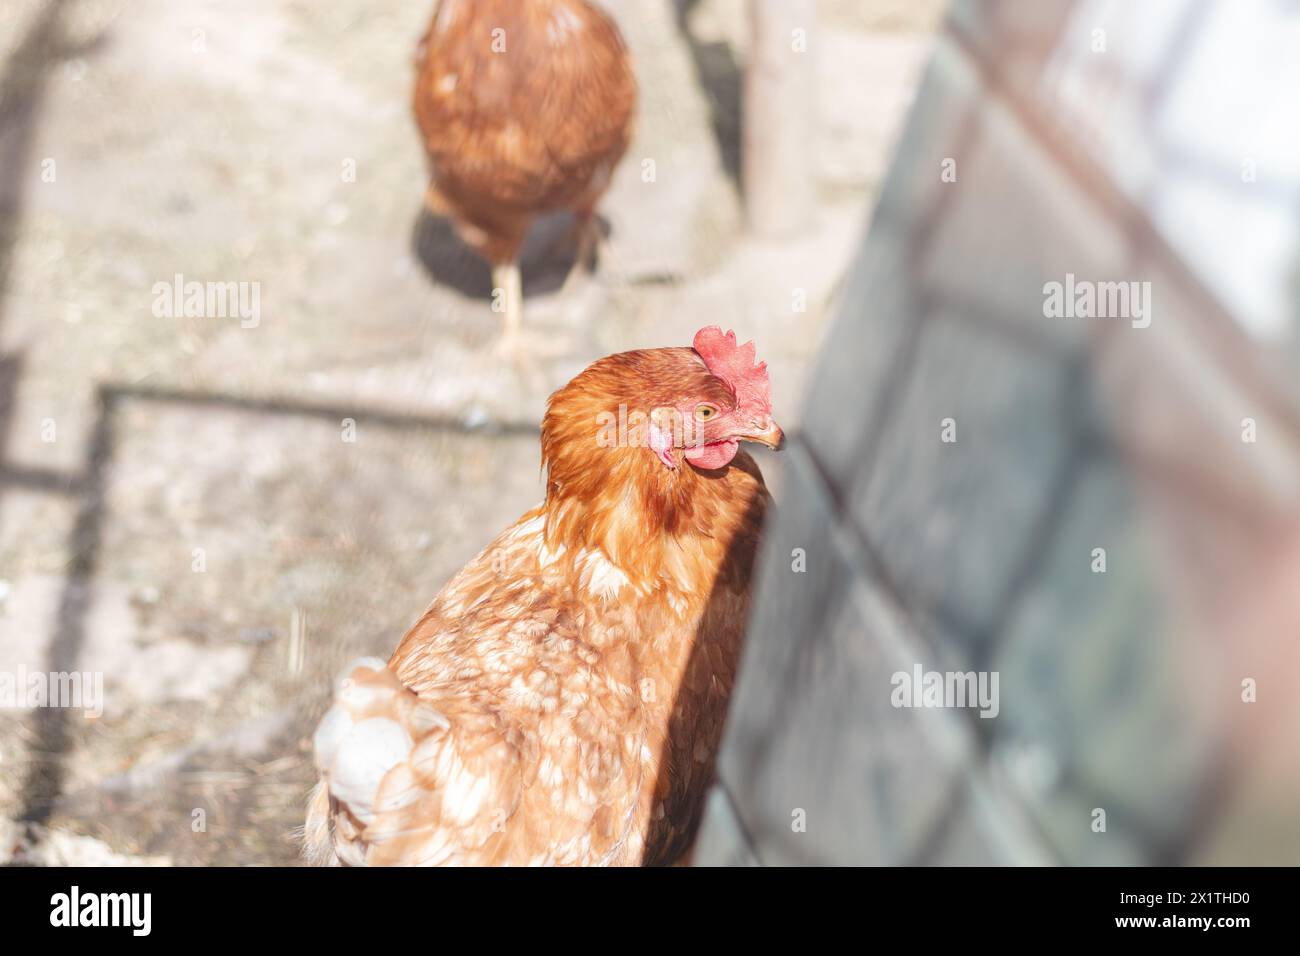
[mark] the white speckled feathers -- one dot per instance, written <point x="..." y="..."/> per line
<point x="507" y="677"/>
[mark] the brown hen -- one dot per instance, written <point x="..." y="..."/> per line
<point x="525" y="107"/>
<point x="562" y="700"/>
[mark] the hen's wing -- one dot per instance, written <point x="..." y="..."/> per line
<point x="505" y="728"/>
<point x="409" y="782"/>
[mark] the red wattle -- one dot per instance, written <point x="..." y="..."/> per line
<point x="716" y="454"/>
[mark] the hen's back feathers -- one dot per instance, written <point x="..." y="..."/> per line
<point x="542" y="711"/>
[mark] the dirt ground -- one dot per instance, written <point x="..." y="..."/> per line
<point x="181" y="508"/>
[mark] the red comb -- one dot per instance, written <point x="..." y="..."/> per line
<point x="735" y="365"/>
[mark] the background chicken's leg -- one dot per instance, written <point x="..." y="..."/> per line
<point x="522" y="346"/>
<point x="507" y="284"/>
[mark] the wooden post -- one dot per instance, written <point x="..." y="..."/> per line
<point x="779" y="118"/>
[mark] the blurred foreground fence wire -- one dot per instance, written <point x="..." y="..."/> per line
<point x="1095" y="505"/>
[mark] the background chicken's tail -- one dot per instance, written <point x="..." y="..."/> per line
<point x="367" y="751"/>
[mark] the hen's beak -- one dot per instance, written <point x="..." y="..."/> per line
<point x="765" y="432"/>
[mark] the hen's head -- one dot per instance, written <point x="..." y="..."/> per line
<point x="676" y="412"/>
<point x="726" y="402"/>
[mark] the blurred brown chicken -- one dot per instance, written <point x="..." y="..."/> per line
<point x="562" y="699"/>
<point x="525" y="107"/>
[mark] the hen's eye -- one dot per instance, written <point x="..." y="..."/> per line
<point x="704" y="412"/>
